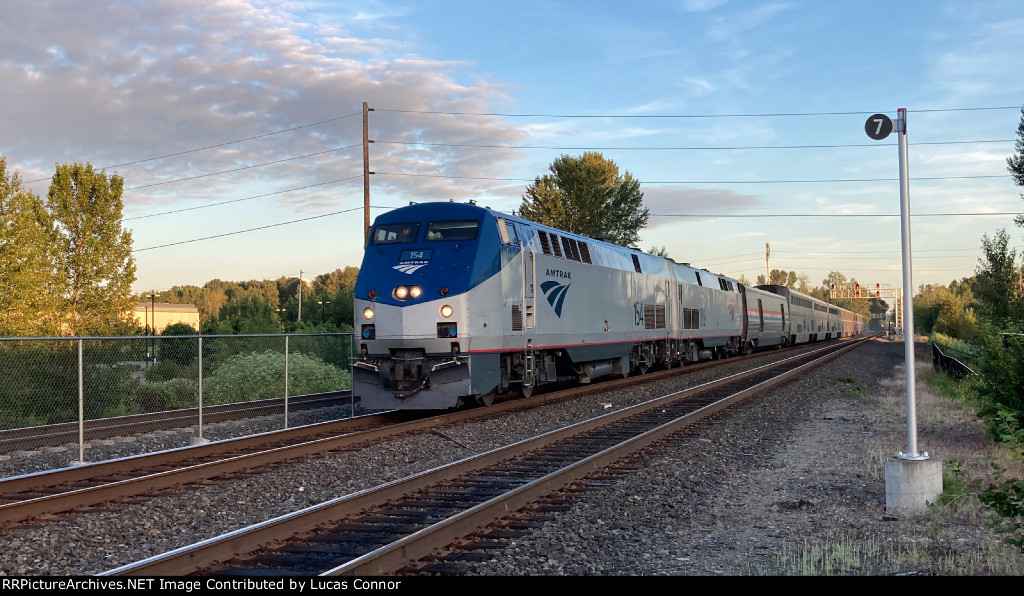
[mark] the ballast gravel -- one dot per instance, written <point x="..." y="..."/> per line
<point x="798" y="465"/>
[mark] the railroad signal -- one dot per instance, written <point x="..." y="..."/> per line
<point x="878" y="290"/>
<point x="857" y="289"/>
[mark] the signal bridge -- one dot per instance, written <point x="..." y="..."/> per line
<point x="864" y="291"/>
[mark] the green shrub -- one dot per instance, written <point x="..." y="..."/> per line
<point x="1006" y="495"/>
<point x="246" y="377"/>
<point x="181" y="394"/>
<point x="162" y="371"/>
<point x="1002" y="374"/>
<point x="179" y="350"/>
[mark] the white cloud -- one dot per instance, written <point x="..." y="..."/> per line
<point x="167" y="76"/>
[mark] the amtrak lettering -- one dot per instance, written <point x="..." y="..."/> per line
<point x="558" y="273"/>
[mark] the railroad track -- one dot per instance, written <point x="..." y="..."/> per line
<point x="32" y="496"/>
<point x="105" y="428"/>
<point x="383" y="529"/>
<point x="28" y="497"/>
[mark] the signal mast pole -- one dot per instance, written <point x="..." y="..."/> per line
<point x="912" y="479"/>
<point x="908" y="284"/>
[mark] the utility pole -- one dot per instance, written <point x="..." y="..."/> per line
<point x="152" y="342"/>
<point x="767" y="266"/>
<point x="300" y="294"/>
<point x="366" y="171"/>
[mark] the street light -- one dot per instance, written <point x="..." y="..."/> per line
<point x="322" y="304"/>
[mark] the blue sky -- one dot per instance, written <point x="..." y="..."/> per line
<point x="744" y="122"/>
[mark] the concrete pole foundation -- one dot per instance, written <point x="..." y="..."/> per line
<point x="910" y="484"/>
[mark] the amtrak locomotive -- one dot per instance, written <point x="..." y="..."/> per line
<point x="456" y="304"/>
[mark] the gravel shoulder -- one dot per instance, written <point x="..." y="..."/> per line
<point x="790" y="484"/>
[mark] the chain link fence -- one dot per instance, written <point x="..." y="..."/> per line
<point x="57" y="391"/>
<point x="955" y="363"/>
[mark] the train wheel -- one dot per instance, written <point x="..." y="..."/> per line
<point x="526" y="390"/>
<point x="486" y="399"/>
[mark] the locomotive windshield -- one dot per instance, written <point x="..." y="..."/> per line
<point x="392" y="233"/>
<point x="452" y="230"/>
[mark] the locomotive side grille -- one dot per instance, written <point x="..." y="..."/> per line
<point x="585" y="252"/>
<point x="654" y="316"/>
<point x="555" y="246"/>
<point x="544" y="244"/>
<point x="572" y="249"/>
<point x="517" y="318"/>
<point x="567" y="248"/>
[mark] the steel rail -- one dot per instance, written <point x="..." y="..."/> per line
<point x="394" y="556"/>
<point x="58" y="434"/>
<point x="193" y="558"/>
<point x="49" y="478"/>
<point x="341" y="434"/>
<point x="54" y="491"/>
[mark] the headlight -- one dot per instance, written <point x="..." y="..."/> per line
<point x="446" y="311"/>
<point x="406" y="292"/>
<point x="367" y="313"/>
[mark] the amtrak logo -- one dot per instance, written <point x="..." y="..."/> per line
<point x="555" y="293"/>
<point x="409" y="268"/>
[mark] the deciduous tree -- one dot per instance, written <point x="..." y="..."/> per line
<point x="586" y="195"/>
<point x="27" y="276"/>
<point x="998" y="285"/>
<point x="244" y="315"/>
<point x="93" y="251"/>
<point x="1015" y="163"/>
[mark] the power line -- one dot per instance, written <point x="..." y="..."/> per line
<point x="682" y="116"/>
<point x="916" y="178"/>
<point x="895" y="250"/>
<point x="276" y="132"/>
<point x="735" y="148"/>
<point x="876" y="270"/>
<point x="283" y="223"/>
<point x="277" y="192"/>
<point x="260" y="165"/>
<point x="761" y="215"/>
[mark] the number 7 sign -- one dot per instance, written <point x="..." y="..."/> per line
<point x="878" y="126"/>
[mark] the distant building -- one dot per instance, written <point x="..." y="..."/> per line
<point x="158" y="316"/>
